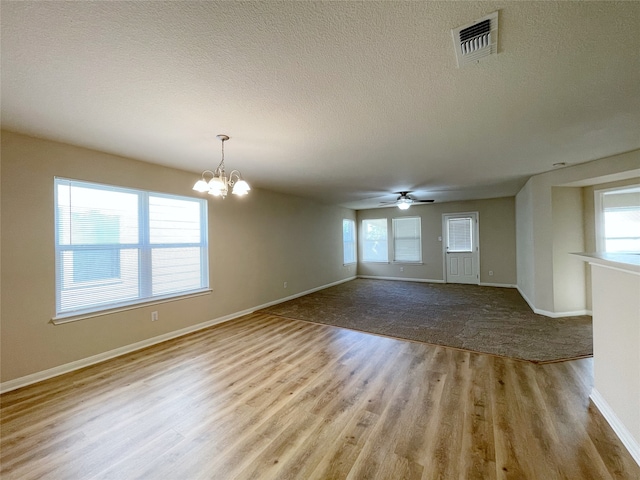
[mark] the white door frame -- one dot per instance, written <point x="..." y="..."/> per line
<point x="476" y="241"/>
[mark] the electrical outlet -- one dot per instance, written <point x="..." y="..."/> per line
<point x="154" y="316"/>
<point x="285" y="285"/>
<point x="491" y="273"/>
<point x="402" y="269"/>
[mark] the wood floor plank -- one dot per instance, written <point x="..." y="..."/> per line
<point x="342" y="453"/>
<point x="273" y="398"/>
<point x="478" y="457"/>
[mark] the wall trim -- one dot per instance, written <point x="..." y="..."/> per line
<point x="574" y="313"/>
<point x="101" y="357"/>
<point x="402" y="279"/>
<point x="630" y="443"/>
<point x="547" y="313"/>
<point x="432" y="280"/>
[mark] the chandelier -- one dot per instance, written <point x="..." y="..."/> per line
<point x="219" y="184"/>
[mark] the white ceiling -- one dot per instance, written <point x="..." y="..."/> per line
<point x="343" y="102"/>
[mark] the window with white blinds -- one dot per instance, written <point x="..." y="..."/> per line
<point x="118" y="246"/>
<point x="621" y="220"/>
<point x="407" y="242"/>
<point x="374" y="240"/>
<point x="460" y="234"/>
<point x="349" y="241"/>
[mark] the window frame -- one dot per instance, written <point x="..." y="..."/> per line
<point x="365" y="241"/>
<point x="352" y="242"/>
<point x="144" y="247"/>
<point x="394" y="222"/>
<point x="600" y="229"/>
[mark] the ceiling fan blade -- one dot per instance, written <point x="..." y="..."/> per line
<point x="425" y="201"/>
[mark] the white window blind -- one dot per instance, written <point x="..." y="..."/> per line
<point x="374" y="242"/>
<point x="349" y="241"/>
<point x="621" y="210"/>
<point x="407" y="244"/>
<point x="459" y="234"/>
<point x="117" y="246"/>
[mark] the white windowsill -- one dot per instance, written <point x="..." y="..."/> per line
<point x="62" y="319"/>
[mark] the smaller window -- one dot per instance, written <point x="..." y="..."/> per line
<point x="349" y="241"/>
<point x="619" y="224"/>
<point x="407" y="243"/>
<point x="374" y="243"/>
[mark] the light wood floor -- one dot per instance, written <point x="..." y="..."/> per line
<point x="270" y="398"/>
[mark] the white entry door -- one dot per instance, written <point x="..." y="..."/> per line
<point x="461" y="249"/>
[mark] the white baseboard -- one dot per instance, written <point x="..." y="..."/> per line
<point x="401" y="279"/>
<point x="547" y="313"/>
<point x="630" y="443"/>
<point x="101" y="357"/>
<point x="573" y="313"/>
<point x="301" y="294"/>
<point x="432" y="280"/>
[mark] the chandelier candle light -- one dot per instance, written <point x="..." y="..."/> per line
<point x="219" y="184"/>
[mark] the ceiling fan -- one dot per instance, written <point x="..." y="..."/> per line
<point x="404" y="201"/>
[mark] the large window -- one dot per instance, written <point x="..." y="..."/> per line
<point x="619" y="220"/>
<point x="349" y="241"/>
<point x="374" y="241"/>
<point x="118" y="246"/>
<point x="407" y="243"/>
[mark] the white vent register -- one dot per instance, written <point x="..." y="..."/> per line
<point x="476" y="40"/>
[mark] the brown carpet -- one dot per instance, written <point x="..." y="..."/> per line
<point x="481" y="319"/>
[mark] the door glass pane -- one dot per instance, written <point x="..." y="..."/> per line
<point x="459" y="234"/>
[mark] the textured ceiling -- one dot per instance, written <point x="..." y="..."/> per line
<point x="344" y="102"/>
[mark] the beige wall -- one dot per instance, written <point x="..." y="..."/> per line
<point x="535" y="233"/>
<point x="497" y="240"/>
<point x="525" y="258"/>
<point x="569" y="290"/>
<point x="616" y="347"/>
<point x="256" y="243"/>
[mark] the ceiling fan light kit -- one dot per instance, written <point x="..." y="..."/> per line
<point x="404" y="201"/>
<point x="219" y="184"/>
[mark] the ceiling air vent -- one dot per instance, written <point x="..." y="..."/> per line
<point x="476" y="40"/>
